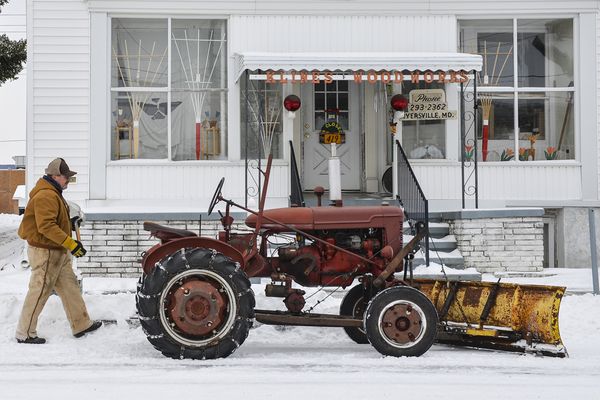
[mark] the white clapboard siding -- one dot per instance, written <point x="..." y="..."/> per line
<point x="523" y="181"/>
<point x="439" y="181"/>
<point x="598" y="85"/>
<point x="174" y="181"/>
<point x="340" y="7"/>
<point x="338" y="33"/>
<point x="504" y="181"/>
<point x="59" y="79"/>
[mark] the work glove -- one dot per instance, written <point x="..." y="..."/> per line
<point x="74" y="246"/>
<point x="76" y="222"/>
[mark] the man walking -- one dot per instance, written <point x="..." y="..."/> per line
<point x="47" y="229"/>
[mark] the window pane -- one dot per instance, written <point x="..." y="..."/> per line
<point x="423" y="139"/>
<point x="261" y="118"/>
<point x="343" y="101"/>
<point x="493" y="40"/>
<point x="198" y="137"/>
<point x="498" y="134"/>
<point x="331" y="101"/>
<point x="139" y="125"/>
<point x="319" y="101"/>
<point x="546" y="126"/>
<point x="139" y="53"/>
<point x="545" y="52"/>
<point x="199" y="50"/>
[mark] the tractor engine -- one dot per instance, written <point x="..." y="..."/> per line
<point x="347" y="238"/>
<point x="312" y="263"/>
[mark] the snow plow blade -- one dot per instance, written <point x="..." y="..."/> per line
<point x="501" y="316"/>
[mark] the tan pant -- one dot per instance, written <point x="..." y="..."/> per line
<point x="51" y="270"/>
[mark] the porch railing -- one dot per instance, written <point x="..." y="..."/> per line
<point x="411" y="196"/>
<point x="296" y="196"/>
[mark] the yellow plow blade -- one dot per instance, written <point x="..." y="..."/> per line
<point x="501" y="316"/>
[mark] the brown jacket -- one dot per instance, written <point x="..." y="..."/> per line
<point x="46" y="222"/>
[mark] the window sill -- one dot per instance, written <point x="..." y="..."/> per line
<point x="538" y="163"/>
<point x="197" y="163"/>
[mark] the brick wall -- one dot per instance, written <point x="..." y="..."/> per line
<point x="9" y="180"/>
<point x="115" y="247"/>
<point x="501" y="244"/>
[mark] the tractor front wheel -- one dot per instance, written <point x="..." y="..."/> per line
<point x="196" y="303"/>
<point x="401" y="321"/>
<point x="354" y="305"/>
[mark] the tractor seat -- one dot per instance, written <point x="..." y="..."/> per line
<point x="166" y="233"/>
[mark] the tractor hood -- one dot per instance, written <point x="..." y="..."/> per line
<point x="312" y="218"/>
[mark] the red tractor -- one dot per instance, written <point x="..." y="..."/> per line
<point x="194" y="299"/>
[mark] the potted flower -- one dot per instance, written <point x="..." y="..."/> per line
<point x="507" y="154"/>
<point x="523" y="154"/>
<point x="469" y="150"/>
<point x="551" y="153"/>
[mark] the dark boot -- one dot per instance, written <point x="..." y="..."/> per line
<point x="32" y="340"/>
<point x="95" y="325"/>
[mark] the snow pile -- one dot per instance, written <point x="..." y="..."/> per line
<point x="12" y="248"/>
<point x="438" y="269"/>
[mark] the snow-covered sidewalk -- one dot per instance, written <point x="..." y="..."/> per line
<point x="297" y="363"/>
<point x="293" y="362"/>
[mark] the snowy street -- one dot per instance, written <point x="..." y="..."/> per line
<point x="315" y="363"/>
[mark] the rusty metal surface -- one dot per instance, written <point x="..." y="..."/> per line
<point x="158" y="252"/>
<point x="306" y="218"/>
<point x="524" y="309"/>
<point x="285" y="318"/>
<point x="196" y="307"/>
<point x="401" y="324"/>
<point x="396" y="262"/>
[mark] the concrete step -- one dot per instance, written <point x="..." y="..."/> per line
<point x="436" y="229"/>
<point x="446" y="243"/>
<point x="451" y="259"/>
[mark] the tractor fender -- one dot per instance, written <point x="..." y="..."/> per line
<point x="160" y="251"/>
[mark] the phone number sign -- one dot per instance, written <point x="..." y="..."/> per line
<point x="427" y="104"/>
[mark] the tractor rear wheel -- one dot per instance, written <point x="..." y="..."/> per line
<point x="196" y="303"/>
<point x="401" y="321"/>
<point x="354" y="305"/>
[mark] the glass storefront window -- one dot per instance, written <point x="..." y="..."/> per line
<point x="139" y="125"/>
<point x="543" y="86"/>
<point x="493" y="40"/>
<point x="261" y="106"/>
<point x="546" y="130"/>
<point x="423" y="139"/>
<point x="199" y="83"/>
<point x="545" y="52"/>
<point x="145" y="92"/>
<point x="500" y="108"/>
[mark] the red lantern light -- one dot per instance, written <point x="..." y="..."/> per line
<point x="399" y="102"/>
<point x="292" y="102"/>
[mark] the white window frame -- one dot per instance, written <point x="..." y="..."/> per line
<point x="168" y="89"/>
<point x="515" y="89"/>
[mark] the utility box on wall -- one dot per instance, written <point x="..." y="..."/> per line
<point x="9" y="180"/>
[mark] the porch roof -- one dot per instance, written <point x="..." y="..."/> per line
<point x="348" y="61"/>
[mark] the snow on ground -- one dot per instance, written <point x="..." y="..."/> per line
<point x="294" y="362"/>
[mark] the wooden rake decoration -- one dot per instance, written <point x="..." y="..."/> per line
<point x="197" y="82"/>
<point x="137" y="78"/>
<point x="486" y="99"/>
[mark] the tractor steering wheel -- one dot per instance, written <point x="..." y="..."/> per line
<point x="215" y="198"/>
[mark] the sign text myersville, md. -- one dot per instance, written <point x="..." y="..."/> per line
<point x="427" y="104"/>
